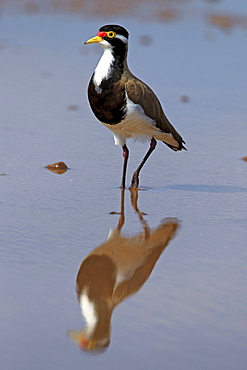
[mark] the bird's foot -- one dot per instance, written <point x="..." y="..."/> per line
<point x="134" y="182"/>
<point x="133" y="187"/>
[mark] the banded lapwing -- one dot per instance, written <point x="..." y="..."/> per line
<point x="125" y="104"/>
<point x="114" y="271"/>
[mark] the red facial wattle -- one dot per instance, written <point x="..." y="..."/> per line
<point x="102" y="34"/>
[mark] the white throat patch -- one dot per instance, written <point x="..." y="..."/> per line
<point x="103" y="68"/>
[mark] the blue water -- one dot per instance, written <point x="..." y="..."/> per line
<point x="191" y="313"/>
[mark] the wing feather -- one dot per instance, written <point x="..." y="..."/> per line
<point x="141" y="94"/>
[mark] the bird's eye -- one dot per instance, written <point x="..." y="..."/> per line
<point x="111" y="34"/>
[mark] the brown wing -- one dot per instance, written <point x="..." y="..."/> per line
<point x="141" y="94"/>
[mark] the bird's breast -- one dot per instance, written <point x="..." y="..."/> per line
<point x="108" y="102"/>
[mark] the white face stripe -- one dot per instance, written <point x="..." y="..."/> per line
<point x="122" y="38"/>
<point x="106" y="45"/>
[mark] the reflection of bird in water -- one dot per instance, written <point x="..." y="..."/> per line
<point x="115" y="270"/>
<point x="125" y="104"/>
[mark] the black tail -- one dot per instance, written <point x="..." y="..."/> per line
<point x="177" y="148"/>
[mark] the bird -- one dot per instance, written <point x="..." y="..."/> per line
<point x="114" y="271"/>
<point x="125" y="104"/>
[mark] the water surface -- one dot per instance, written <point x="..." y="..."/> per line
<point x="191" y="312"/>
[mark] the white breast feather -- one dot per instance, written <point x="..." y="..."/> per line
<point x="103" y="68"/>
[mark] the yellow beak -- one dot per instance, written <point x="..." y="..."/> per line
<point x="93" y="40"/>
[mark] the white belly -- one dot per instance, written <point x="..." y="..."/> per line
<point x="136" y="125"/>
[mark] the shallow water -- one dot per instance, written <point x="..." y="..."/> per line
<point x="191" y="312"/>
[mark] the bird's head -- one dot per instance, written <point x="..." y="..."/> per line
<point x="110" y="37"/>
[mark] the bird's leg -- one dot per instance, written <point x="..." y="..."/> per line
<point x="135" y="177"/>
<point x="126" y="156"/>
